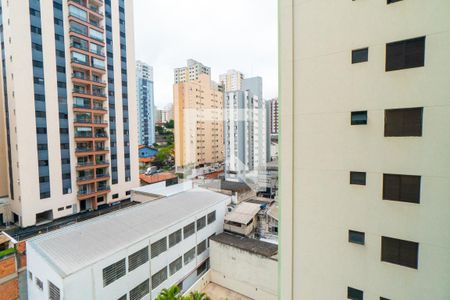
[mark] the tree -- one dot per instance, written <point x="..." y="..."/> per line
<point x="173" y="293"/>
<point x="198" y="296"/>
<point x="169" y="124"/>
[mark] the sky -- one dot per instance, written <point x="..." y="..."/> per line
<point x="221" y="34"/>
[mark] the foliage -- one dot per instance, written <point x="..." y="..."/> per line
<point x="7" y="252"/>
<point x="164" y="156"/>
<point x="198" y="296"/>
<point x="174" y="293"/>
<point x="169" y="125"/>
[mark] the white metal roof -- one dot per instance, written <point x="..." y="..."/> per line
<point x="243" y="213"/>
<point x="78" y="246"/>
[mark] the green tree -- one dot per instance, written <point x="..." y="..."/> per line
<point x="198" y="296"/>
<point x="173" y="293"/>
<point x="169" y="124"/>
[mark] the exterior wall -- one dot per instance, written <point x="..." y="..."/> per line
<point x="198" y="128"/>
<point x="320" y="87"/>
<point x="88" y="283"/>
<point x="10" y="290"/>
<point x="232" y="80"/>
<point x="273" y="104"/>
<point x="249" y="274"/>
<point x="146" y="106"/>
<point x="26" y="202"/>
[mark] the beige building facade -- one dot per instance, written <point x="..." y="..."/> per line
<point x="68" y="130"/>
<point x="365" y="166"/>
<point x="232" y="80"/>
<point x="198" y="116"/>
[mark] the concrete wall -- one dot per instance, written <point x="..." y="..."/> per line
<point x="320" y="87"/>
<point x="249" y="274"/>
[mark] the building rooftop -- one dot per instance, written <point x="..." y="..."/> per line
<point x="243" y="213"/>
<point x="78" y="246"/>
<point x="228" y="186"/>
<point x="247" y="244"/>
<point x="156" y="177"/>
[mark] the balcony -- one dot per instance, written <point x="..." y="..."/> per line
<point x="103" y="188"/>
<point x="85" y="178"/>
<point x="83" y="121"/>
<point x="83" y="135"/>
<point x="100" y="176"/>
<point x="90" y="7"/>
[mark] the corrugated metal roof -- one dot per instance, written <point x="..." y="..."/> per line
<point x="75" y="247"/>
<point x="243" y="213"/>
<point x="247" y="244"/>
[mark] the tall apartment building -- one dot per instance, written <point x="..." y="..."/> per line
<point x="273" y="116"/>
<point x="68" y="106"/>
<point x="145" y="103"/>
<point x="232" y="80"/>
<point x="191" y="72"/>
<point x="198" y="116"/>
<point x="245" y="130"/>
<point x="365" y="160"/>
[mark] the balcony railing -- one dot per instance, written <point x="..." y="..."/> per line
<point x="90" y="7"/>
<point x="85" y="178"/>
<point x="99" y="93"/>
<point x="83" y="121"/>
<point x="79" y="46"/>
<point x="103" y="188"/>
<point x="85" y="192"/>
<point x="85" y="106"/>
<point x="82" y="150"/>
<point x="85" y="164"/>
<point x="101" y="135"/>
<point x="102" y="162"/>
<point x="102" y="175"/>
<point x="83" y="135"/>
<point x="100" y="122"/>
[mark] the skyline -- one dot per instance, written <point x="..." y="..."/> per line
<point x="160" y="46"/>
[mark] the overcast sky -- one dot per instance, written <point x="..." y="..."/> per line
<point x="222" y="34"/>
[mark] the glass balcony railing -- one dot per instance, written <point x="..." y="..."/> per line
<point x="103" y="188"/>
<point x="102" y="175"/>
<point x="83" y="121"/>
<point x="85" y="177"/>
<point x="83" y="149"/>
<point x="101" y="135"/>
<point x="85" y="164"/>
<point x="83" y="134"/>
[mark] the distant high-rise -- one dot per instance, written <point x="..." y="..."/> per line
<point x="191" y="72"/>
<point x="145" y="103"/>
<point x="68" y="131"/>
<point x="245" y="130"/>
<point x="365" y="160"/>
<point x="232" y="80"/>
<point x="273" y="117"/>
<point x="198" y="116"/>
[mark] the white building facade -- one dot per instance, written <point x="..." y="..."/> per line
<point x="232" y="80"/>
<point x="245" y="130"/>
<point x="131" y="254"/>
<point x="191" y="72"/>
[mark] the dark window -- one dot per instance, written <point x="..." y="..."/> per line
<point x="392" y="1"/>
<point x="113" y="272"/>
<point x="140" y="291"/>
<point x="137" y="259"/>
<point x="175" y="238"/>
<point x="358" y="178"/>
<point x="405" y="54"/>
<point x="201" y="223"/>
<point x="403" y="122"/>
<point x="360" y="55"/>
<point x="158" y="247"/>
<point x="356" y="237"/>
<point x="189" y="230"/>
<point x="404" y="188"/>
<point x="354" y="294"/>
<point x="382" y="298"/>
<point x="115" y="196"/>
<point x="211" y="217"/>
<point x="400" y="252"/>
<point x="359" y="118"/>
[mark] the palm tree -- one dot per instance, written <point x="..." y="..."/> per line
<point x="173" y="293"/>
<point x="198" y="296"/>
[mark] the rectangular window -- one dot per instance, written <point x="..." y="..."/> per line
<point x="400" y="252"/>
<point x="354" y="294"/>
<point x="137" y="259"/>
<point x="360" y="55"/>
<point x="159" y="278"/>
<point x="77" y="12"/>
<point x="176" y="265"/>
<point x="403" y="122"/>
<point x="39" y="284"/>
<point x="201" y="247"/>
<point x="359" y="118"/>
<point x="175" y="238"/>
<point x="356" y="237"/>
<point x="405" y="54"/>
<point x="405" y="188"/>
<point x="113" y="272"/>
<point x="358" y="178"/>
<point x="211" y="217"/>
<point x="158" y="247"/>
<point x="201" y="223"/>
<point x="189" y="256"/>
<point x="392" y="1"/>
<point x="53" y="292"/>
<point x="140" y="291"/>
<point x="189" y="230"/>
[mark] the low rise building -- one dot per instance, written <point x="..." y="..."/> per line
<point x="239" y="191"/>
<point x="243" y="219"/>
<point x="130" y="254"/>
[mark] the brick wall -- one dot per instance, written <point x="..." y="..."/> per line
<point x="7" y="266"/>
<point x="9" y="290"/>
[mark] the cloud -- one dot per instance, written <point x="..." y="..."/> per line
<point x="231" y="34"/>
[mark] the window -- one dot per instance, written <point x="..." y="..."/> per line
<point x="137" y="259"/>
<point x="175" y="238"/>
<point x="354" y="294"/>
<point x="158" y="247"/>
<point x="176" y="265"/>
<point x="203" y="267"/>
<point x="403" y="122"/>
<point x="115" y="196"/>
<point x="201" y="223"/>
<point x="360" y="55"/>
<point x="140" y="290"/>
<point x="358" y="178"/>
<point x="201" y="247"/>
<point x="359" y="118"/>
<point x="400" y="252"/>
<point x="211" y="217"/>
<point x="30" y="275"/>
<point x="124" y="297"/>
<point x="77" y="12"/>
<point x="189" y="256"/>
<point x="356" y="237"/>
<point x="159" y="278"/>
<point x="53" y="292"/>
<point x="39" y="284"/>
<point x="405" y="188"/>
<point x="392" y="1"/>
<point x="113" y="272"/>
<point x="405" y="54"/>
